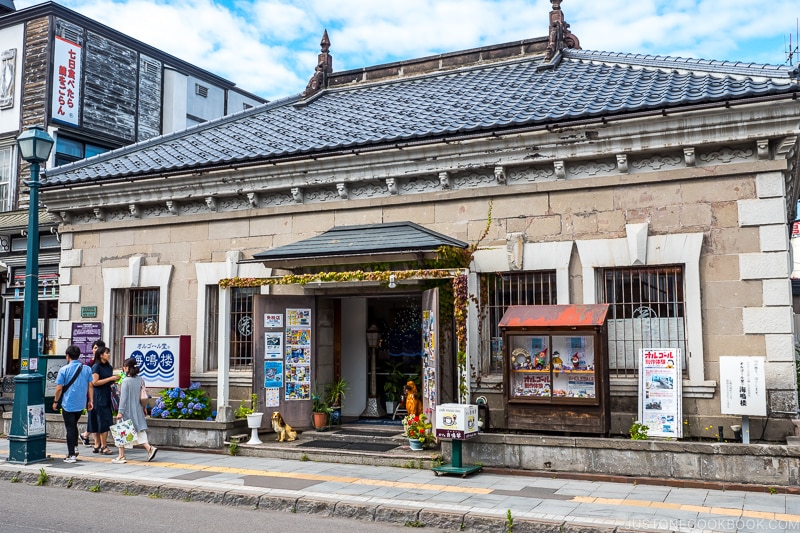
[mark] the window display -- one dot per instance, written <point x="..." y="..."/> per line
<point x="552" y="366"/>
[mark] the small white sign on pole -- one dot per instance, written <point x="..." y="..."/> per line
<point x="661" y="392"/>
<point x="743" y="386"/>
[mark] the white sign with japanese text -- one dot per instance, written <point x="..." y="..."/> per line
<point x="156" y="357"/>
<point x="660" y="392"/>
<point x="66" y="98"/>
<point x="742" y="385"/>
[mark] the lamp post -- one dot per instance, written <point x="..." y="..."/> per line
<point x="373" y="409"/>
<point x="27" y="438"/>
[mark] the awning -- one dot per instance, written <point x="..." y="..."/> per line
<point x="18" y="220"/>
<point x="554" y="315"/>
<point x="389" y="242"/>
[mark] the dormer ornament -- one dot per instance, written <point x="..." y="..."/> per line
<point x="560" y="36"/>
<point x="324" y="68"/>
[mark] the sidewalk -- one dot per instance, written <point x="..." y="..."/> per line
<point x="480" y="502"/>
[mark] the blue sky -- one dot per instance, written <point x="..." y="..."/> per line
<point x="269" y="47"/>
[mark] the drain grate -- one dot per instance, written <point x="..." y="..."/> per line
<point x="350" y="446"/>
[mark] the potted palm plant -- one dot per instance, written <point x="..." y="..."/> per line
<point x="336" y="393"/>
<point x="320" y="411"/>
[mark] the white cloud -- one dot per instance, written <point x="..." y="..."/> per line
<point x="269" y="47"/>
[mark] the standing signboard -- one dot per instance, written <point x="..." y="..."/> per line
<point x="742" y="384"/>
<point x="660" y="392"/>
<point x="164" y="361"/>
<point x="83" y="336"/>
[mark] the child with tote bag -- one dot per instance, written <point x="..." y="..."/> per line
<point x="130" y="408"/>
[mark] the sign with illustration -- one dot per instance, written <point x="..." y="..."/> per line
<point x="297" y="354"/>
<point x="273" y="345"/>
<point x="163" y="361"/>
<point x="742" y="385"/>
<point x="36" y="421"/>
<point x="456" y="421"/>
<point x="660" y="392"/>
<point x="273" y="374"/>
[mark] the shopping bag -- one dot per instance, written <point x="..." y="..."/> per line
<point x="124" y="433"/>
<point x="144" y="395"/>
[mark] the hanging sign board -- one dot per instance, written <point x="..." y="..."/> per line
<point x="742" y="385"/>
<point x="660" y="392"/>
<point x="163" y="361"/>
<point x="65" y="100"/>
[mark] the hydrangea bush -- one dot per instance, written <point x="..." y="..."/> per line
<point x="192" y="404"/>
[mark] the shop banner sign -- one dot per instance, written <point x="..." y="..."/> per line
<point x="743" y="387"/>
<point x="66" y="97"/>
<point x="660" y="392"/>
<point x="157" y="359"/>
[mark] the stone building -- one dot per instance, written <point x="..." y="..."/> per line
<point x="660" y="186"/>
<point x="93" y="89"/>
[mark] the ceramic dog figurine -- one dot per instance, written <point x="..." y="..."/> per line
<point x="413" y="404"/>
<point x="284" y="430"/>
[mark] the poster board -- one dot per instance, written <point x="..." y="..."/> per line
<point x="83" y="336"/>
<point x="742" y="385"/>
<point x="661" y="392"/>
<point x="163" y="361"/>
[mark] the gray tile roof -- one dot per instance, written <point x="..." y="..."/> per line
<point x="339" y="241"/>
<point x="483" y="98"/>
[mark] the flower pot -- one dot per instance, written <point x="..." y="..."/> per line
<point x="415" y="444"/>
<point x="390" y="407"/>
<point x="254" y="423"/>
<point x="336" y="416"/>
<point x="320" y="421"/>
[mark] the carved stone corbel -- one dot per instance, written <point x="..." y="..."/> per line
<point x="763" y="148"/>
<point x="500" y="175"/>
<point x="444" y="180"/>
<point x="297" y="195"/>
<point x="688" y="156"/>
<point x="211" y="203"/>
<point x="341" y="188"/>
<point x="99" y="214"/>
<point x="561" y="171"/>
<point x="135" y="211"/>
<point x="172" y="207"/>
<point x="622" y="162"/>
<point x="391" y="185"/>
<point x="252" y="199"/>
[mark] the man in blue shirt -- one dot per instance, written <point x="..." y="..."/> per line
<point x="74" y="388"/>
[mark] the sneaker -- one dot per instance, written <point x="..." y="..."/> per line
<point x="70" y="459"/>
<point x="119" y="460"/>
<point x="152" y="454"/>
<point x="85" y="441"/>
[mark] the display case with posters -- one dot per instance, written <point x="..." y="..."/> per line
<point x="556" y="376"/>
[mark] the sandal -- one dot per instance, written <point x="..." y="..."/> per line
<point x="95" y="450"/>
<point x="105" y="451"/>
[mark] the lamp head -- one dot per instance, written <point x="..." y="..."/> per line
<point x="373" y="336"/>
<point x="392" y="281"/>
<point x="35" y="145"/>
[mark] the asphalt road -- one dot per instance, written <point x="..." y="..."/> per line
<point x="28" y="508"/>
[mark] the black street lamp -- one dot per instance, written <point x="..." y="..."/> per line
<point x="373" y="408"/>
<point x="27" y="438"/>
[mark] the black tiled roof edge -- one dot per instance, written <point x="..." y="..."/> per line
<point x="691" y="64"/>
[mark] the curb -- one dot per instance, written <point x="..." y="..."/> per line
<point x="401" y="513"/>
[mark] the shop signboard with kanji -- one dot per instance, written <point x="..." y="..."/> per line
<point x="660" y="392"/>
<point x="743" y="387"/>
<point x="164" y="361"/>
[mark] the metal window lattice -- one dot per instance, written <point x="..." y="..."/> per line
<point x="135" y="312"/>
<point x="647" y="308"/>
<point x="241" y="343"/>
<point x="502" y="290"/>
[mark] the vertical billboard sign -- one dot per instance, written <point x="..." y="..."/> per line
<point x="66" y="97"/>
<point x="743" y="385"/>
<point x="660" y="391"/>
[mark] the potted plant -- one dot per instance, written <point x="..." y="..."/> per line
<point x="418" y="430"/>
<point x="320" y="412"/>
<point x="253" y="417"/>
<point x="393" y="387"/>
<point x="336" y="393"/>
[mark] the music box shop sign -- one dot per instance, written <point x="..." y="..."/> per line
<point x="456" y="421"/>
<point x="163" y="361"/>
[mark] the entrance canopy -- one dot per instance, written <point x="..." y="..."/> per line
<point x="389" y="242"/>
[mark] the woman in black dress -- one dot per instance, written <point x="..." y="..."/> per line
<point x="101" y="418"/>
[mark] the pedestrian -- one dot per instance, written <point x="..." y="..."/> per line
<point x="75" y="392"/>
<point x="101" y="417"/>
<point x="130" y="408"/>
<point x="96" y="345"/>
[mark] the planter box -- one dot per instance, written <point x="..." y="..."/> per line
<point x="177" y="433"/>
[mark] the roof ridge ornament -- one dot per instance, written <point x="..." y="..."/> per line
<point x="319" y="80"/>
<point x="560" y="36"/>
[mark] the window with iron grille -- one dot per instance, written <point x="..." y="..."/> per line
<point x="211" y="327"/>
<point x="241" y="347"/>
<point x="135" y="312"/>
<point x="502" y="290"/>
<point x="647" y="309"/>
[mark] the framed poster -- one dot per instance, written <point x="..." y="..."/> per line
<point x="273" y="345"/>
<point x="297" y="355"/>
<point x="83" y="335"/>
<point x="273" y="374"/>
<point x="660" y="392"/>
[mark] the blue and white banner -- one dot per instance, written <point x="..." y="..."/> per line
<point x="157" y="358"/>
